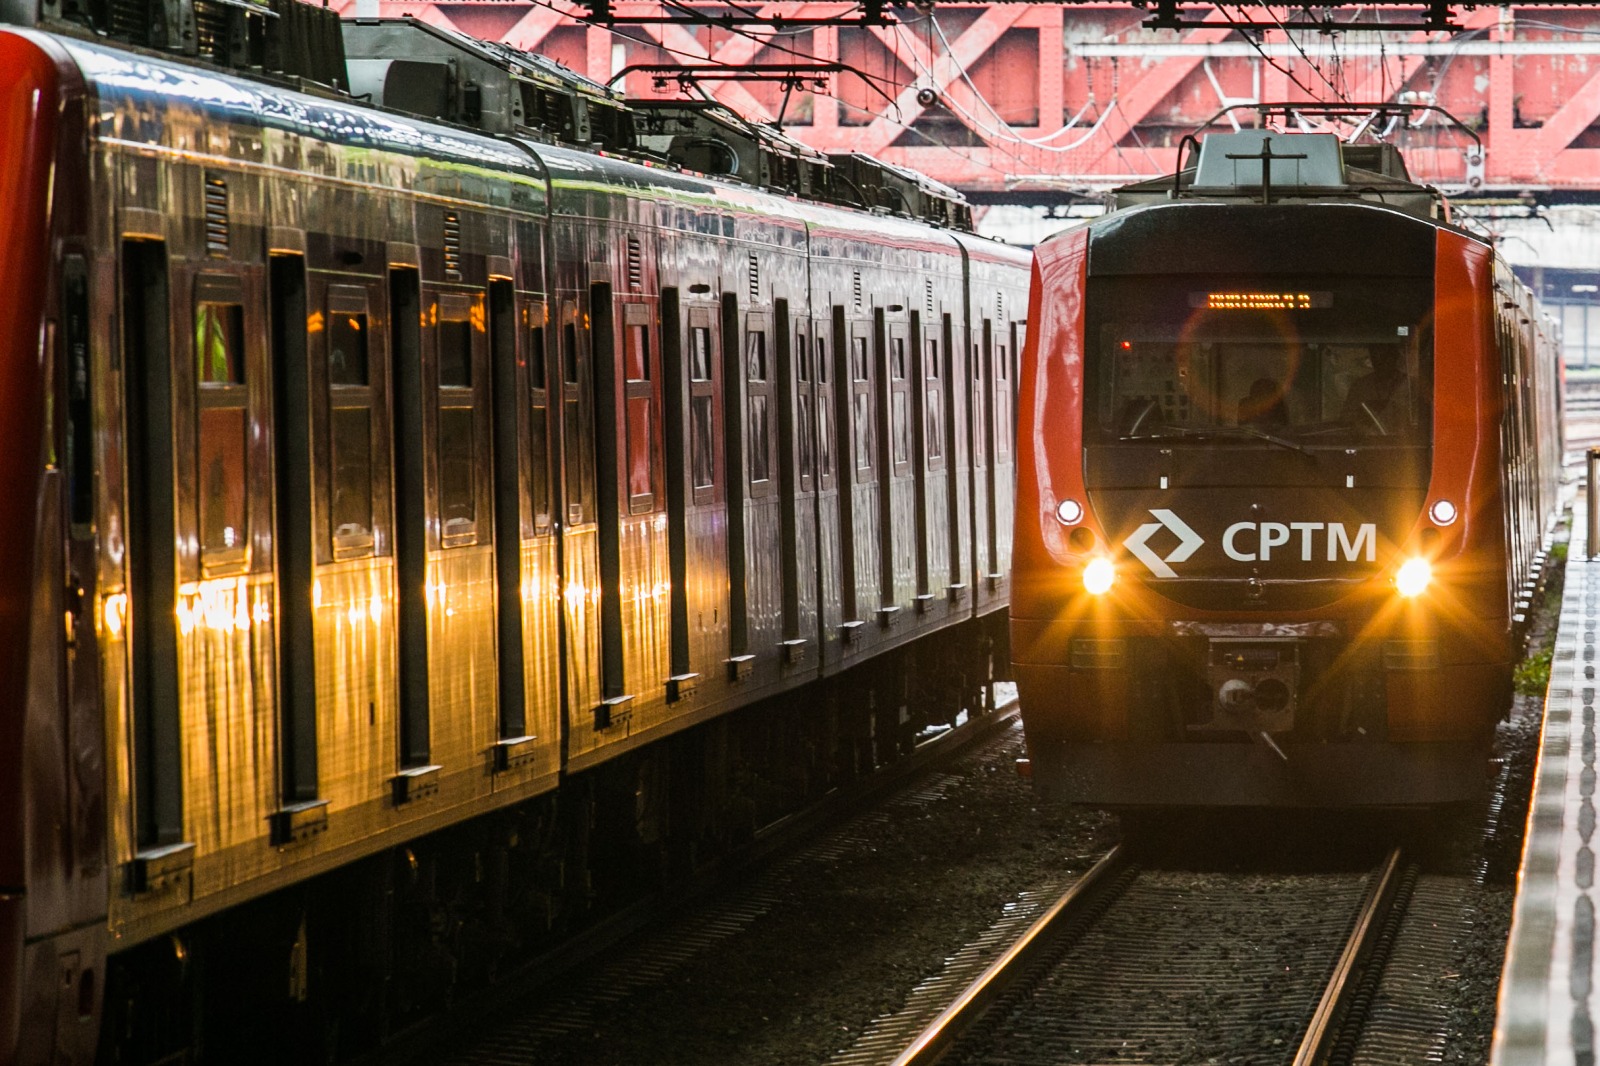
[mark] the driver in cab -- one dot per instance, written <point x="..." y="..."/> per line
<point x="1380" y="400"/>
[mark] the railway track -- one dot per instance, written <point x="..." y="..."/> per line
<point x="1147" y="965"/>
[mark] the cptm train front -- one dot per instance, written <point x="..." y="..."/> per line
<point x="1287" y="458"/>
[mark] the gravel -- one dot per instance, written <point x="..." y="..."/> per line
<point x="867" y="922"/>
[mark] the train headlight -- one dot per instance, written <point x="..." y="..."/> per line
<point x="1099" y="576"/>
<point x="1443" y="512"/>
<point x="1413" y="577"/>
<point x="1069" y="512"/>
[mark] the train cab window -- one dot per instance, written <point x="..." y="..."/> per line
<point x="759" y="417"/>
<point x="935" y="407"/>
<point x="349" y="421"/>
<point x="457" y="432"/>
<point x="1337" y="362"/>
<point x="702" y="414"/>
<point x="223" y="404"/>
<point x="640" y="400"/>
<point x="538" y="427"/>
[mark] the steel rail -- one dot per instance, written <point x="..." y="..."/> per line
<point x="941" y="1034"/>
<point x="1347" y="973"/>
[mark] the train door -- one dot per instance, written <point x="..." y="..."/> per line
<point x="334" y="537"/>
<point x="978" y="447"/>
<point x="697" y="516"/>
<point x="223" y="469"/>
<point x="632" y="543"/>
<point x="580" y="562"/>
<point x="786" y="461"/>
<point x="897" y="484"/>
<point x="927" y="450"/>
<point x="859" y="465"/>
<point x="956" y="484"/>
<point x="797" y="465"/>
<point x="763" y="585"/>
<point x="988" y="389"/>
<point x="829" y="569"/>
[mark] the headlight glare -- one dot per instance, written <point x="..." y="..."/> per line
<point x="1099" y="576"/>
<point x="1443" y="512"/>
<point x="1413" y="577"/>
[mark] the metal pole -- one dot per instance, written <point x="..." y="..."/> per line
<point x="1592" y="497"/>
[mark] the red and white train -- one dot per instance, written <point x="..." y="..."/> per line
<point x="427" y="525"/>
<point x="1289" y="443"/>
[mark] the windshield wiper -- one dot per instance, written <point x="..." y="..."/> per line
<point x="1199" y="433"/>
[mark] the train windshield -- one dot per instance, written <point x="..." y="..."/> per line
<point x="1324" y="361"/>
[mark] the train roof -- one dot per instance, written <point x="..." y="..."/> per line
<point x="137" y="94"/>
<point x="1269" y="165"/>
<point x="405" y="67"/>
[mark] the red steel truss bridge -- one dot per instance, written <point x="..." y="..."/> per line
<point x="1047" y="101"/>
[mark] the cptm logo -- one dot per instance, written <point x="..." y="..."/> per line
<point x="1249" y="542"/>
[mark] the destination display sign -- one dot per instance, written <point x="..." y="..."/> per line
<point x="1263" y="300"/>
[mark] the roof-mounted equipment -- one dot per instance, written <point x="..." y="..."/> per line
<point x="443" y="74"/>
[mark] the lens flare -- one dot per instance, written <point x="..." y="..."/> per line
<point x="1413" y="577"/>
<point x="1099" y="576"/>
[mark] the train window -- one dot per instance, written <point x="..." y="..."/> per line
<point x="219" y="343"/>
<point x="899" y="404"/>
<point x="902" y="429"/>
<point x="639" y="401"/>
<point x="577" y="437"/>
<point x="1002" y="403"/>
<point x="636" y="353"/>
<point x="824" y="443"/>
<point x="704" y="459"/>
<point x="935" y="409"/>
<point x="224" y="426"/>
<point x="760" y="454"/>
<point x="455" y="354"/>
<point x="980" y="436"/>
<point x="822" y="360"/>
<point x="758" y="420"/>
<point x="700" y="353"/>
<point x="538" y="431"/>
<point x="863" y="428"/>
<point x="702" y="414"/>
<point x="457" y="432"/>
<point x="347" y="348"/>
<point x="1356" y="367"/>
<point x="806" y="408"/>
<point x="350" y="430"/>
<point x="349" y="422"/>
<point x="756" y="355"/>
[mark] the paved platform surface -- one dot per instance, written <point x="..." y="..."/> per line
<point x="1547" y="1010"/>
